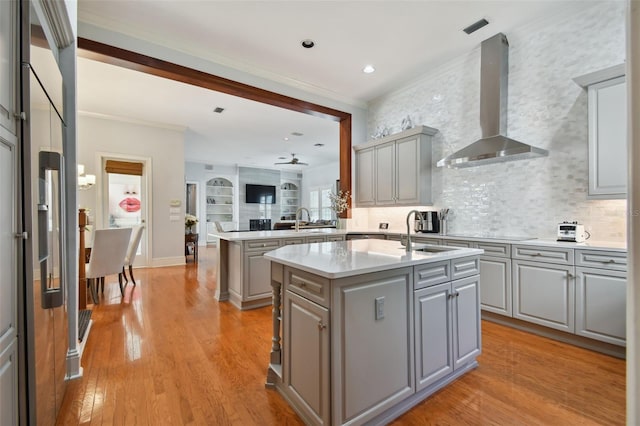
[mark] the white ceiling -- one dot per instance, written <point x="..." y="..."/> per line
<point x="402" y="39"/>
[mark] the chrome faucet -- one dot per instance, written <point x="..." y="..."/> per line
<point x="422" y="226"/>
<point x="300" y="209"/>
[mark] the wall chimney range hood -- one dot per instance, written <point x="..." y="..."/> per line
<point x="494" y="146"/>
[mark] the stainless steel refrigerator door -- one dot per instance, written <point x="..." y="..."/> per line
<point x="48" y="324"/>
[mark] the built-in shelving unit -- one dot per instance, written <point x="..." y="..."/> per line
<point x="219" y="200"/>
<point x="289" y="200"/>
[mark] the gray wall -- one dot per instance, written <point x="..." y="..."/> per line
<point x="546" y="109"/>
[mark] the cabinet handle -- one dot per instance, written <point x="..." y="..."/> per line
<point x="611" y="261"/>
<point x="570" y="275"/>
<point x="457" y="294"/>
<point x="536" y="254"/>
<point x="321" y="326"/>
<point x="450" y="296"/>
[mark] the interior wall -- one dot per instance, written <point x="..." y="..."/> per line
<point x="165" y="148"/>
<point x="201" y="173"/>
<point x="546" y="109"/>
<point x="249" y="175"/>
<point x="318" y="177"/>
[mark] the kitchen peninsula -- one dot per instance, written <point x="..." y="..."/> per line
<point x="368" y="329"/>
<point x="243" y="273"/>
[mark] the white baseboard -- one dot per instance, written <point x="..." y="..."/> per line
<point x="159" y="262"/>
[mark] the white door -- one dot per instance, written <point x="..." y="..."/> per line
<point x="8" y="279"/>
<point x="8" y="246"/>
<point x="125" y="202"/>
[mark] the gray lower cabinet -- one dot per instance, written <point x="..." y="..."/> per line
<point x="372" y="344"/>
<point x="495" y="287"/>
<point x="601" y="305"/>
<point x="447" y="329"/>
<point x="544" y="293"/>
<point x="306" y="346"/>
<point x="257" y="270"/>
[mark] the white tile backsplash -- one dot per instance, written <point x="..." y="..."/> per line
<point x="546" y="109"/>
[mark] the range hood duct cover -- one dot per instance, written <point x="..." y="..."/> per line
<point x="494" y="146"/>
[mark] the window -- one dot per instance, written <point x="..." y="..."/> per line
<point x="320" y="203"/>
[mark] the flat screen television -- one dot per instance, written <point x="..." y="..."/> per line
<point x="262" y="194"/>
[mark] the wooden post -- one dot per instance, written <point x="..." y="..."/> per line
<point x="82" y="274"/>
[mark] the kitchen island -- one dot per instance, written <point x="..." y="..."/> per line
<point x="243" y="273"/>
<point x="368" y="329"/>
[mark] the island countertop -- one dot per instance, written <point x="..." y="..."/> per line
<point x="348" y="258"/>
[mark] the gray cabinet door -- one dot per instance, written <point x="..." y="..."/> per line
<point x="608" y="139"/>
<point x="306" y="348"/>
<point x="601" y="305"/>
<point x="364" y="176"/>
<point x="407" y="170"/>
<point x="372" y="344"/>
<point x="466" y="320"/>
<point x="544" y="293"/>
<point x="433" y="329"/>
<point x="257" y="276"/>
<point x="8" y="61"/>
<point x="385" y="174"/>
<point x="495" y="285"/>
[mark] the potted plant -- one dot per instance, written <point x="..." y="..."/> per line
<point x="189" y="221"/>
<point x="339" y="204"/>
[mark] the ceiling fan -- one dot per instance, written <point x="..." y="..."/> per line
<point x="294" y="160"/>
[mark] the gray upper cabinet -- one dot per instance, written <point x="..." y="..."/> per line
<point x="395" y="170"/>
<point x="364" y="195"/>
<point x="607" y="132"/>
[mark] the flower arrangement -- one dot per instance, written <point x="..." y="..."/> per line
<point x="339" y="201"/>
<point x="190" y="220"/>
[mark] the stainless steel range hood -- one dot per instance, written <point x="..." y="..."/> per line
<point x="495" y="146"/>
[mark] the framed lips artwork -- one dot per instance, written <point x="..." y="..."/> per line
<point x="124" y="202"/>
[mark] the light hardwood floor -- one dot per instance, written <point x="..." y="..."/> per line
<point x="169" y="354"/>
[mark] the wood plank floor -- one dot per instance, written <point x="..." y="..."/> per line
<point x="169" y="354"/>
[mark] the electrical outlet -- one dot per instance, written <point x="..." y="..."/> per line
<point x="379" y="308"/>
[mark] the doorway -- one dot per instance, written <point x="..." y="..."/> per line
<point x="125" y="196"/>
<point x="191" y="201"/>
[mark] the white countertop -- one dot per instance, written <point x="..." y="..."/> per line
<point x="284" y="233"/>
<point x="347" y="258"/>
<point x="258" y="235"/>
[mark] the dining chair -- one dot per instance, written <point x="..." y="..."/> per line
<point x="107" y="256"/>
<point x="132" y="250"/>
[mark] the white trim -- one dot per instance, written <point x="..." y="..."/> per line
<point x="147" y="199"/>
<point x="633" y="216"/>
<point x="160" y="262"/>
<point x="130" y="120"/>
<point x="197" y="212"/>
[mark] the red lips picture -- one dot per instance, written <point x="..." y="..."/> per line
<point x="130" y="205"/>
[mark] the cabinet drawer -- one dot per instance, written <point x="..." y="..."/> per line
<point x="560" y="256"/>
<point x="261" y="245"/>
<point x="457" y="243"/>
<point x="465" y="267"/>
<point x="426" y="240"/>
<point x="602" y="259"/>
<point x="292" y="241"/>
<point x="432" y="274"/>
<point x="316" y="239"/>
<point x="307" y="285"/>
<point x="495" y="249"/>
<point x="335" y="237"/>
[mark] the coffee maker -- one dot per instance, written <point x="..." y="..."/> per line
<point x="431" y="223"/>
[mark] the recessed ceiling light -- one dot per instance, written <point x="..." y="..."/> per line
<point x="368" y="69"/>
<point x="318" y="144"/>
<point x="218" y="110"/>
<point x="296" y="133"/>
<point x="282" y="158"/>
<point x="285" y="138"/>
<point x="308" y="43"/>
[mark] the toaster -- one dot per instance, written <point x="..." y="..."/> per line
<point x="571" y="231"/>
